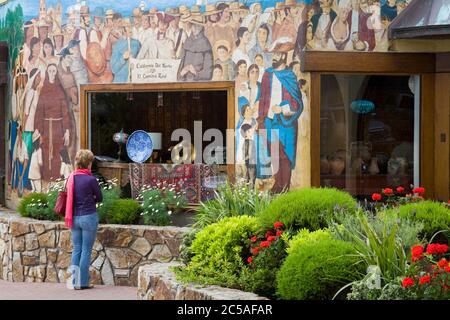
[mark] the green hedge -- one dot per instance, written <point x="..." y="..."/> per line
<point x="217" y="252"/>
<point x="38" y="206"/>
<point x="317" y="267"/>
<point x="434" y="215"/>
<point x="306" y="208"/>
<point x="124" y="211"/>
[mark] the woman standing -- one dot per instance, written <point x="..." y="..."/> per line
<point x="241" y="52"/>
<point x="83" y="192"/>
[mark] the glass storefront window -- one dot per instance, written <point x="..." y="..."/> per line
<point x="368" y="132"/>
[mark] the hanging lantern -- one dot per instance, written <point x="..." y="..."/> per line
<point x="362" y="106"/>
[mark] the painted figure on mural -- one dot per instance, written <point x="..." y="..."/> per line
<point x="321" y="24"/>
<point x="284" y="23"/>
<point x="137" y="28"/>
<point x="241" y="52"/>
<point x="280" y="106"/>
<point x="20" y="161"/>
<point x="197" y="61"/>
<point x="223" y="53"/>
<point x="124" y="49"/>
<point x="52" y="122"/>
<point x="389" y="9"/>
<point x="49" y="53"/>
<point x="262" y="45"/>
<point x="362" y="32"/>
<point x="36" y="163"/>
<point x="165" y="47"/>
<point x="340" y="28"/>
<point x="82" y="33"/>
<point x="223" y="30"/>
<point x="175" y="32"/>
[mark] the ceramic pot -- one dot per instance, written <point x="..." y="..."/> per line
<point x="337" y="166"/>
<point x="373" y="168"/>
<point x="324" y="165"/>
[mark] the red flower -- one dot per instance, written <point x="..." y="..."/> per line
<point x="268" y="234"/>
<point x="419" y="190"/>
<point x="376" y="197"/>
<point x="255" y="250"/>
<point x="425" y="279"/>
<point x="279" y="233"/>
<point x="416" y="253"/>
<point x="407" y="282"/>
<point x="253" y="239"/>
<point x="447" y="269"/>
<point x="448" y="201"/>
<point x="250" y="260"/>
<point x="436" y="248"/>
<point x="278" y="225"/>
<point x="388" y="191"/>
<point x="271" y="238"/>
<point x="400" y="189"/>
<point x="265" y="244"/>
<point x="442" y="264"/>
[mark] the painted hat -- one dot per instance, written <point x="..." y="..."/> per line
<point x="290" y="3"/>
<point x="174" y="12"/>
<point x="224" y="43"/>
<point x="153" y="11"/>
<point x="98" y="12"/>
<point x="36" y="135"/>
<point x="195" y="11"/>
<point x="210" y="9"/>
<point x="234" y="6"/>
<point x="109" y="13"/>
<point x="164" y="17"/>
<point x="279" y="6"/>
<point x="84" y="11"/>
<point x="186" y="16"/>
<point x="198" y="20"/>
<point x="182" y="9"/>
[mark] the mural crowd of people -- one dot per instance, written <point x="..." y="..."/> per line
<point x="258" y="48"/>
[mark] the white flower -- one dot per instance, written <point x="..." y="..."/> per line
<point x="169" y="212"/>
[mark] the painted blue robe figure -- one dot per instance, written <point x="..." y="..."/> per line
<point x="280" y="106"/>
<point x="120" y="59"/>
<point x="389" y="10"/>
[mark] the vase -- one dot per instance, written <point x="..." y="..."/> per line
<point x="373" y="168"/>
<point x="337" y="166"/>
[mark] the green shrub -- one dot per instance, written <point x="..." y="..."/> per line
<point x="306" y="208"/>
<point x="218" y="253"/>
<point x="159" y="204"/>
<point x="230" y="201"/>
<point x="39" y="206"/>
<point x="110" y="194"/>
<point x="35" y="198"/>
<point x="318" y="269"/>
<point x="186" y="253"/>
<point x="124" y="211"/>
<point x="434" y="215"/>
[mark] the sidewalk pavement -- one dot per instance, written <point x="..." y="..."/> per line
<point x="58" y="291"/>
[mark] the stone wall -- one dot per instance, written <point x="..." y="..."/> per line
<point x="157" y="282"/>
<point x="40" y="251"/>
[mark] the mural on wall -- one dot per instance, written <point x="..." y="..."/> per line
<point x="257" y="44"/>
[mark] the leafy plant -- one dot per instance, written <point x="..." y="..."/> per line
<point x="186" y="253"/>
<point x="218" y="253"/>
<point x="317" y="268"/>
<point x="380" y="242"/>
<point x="124" y="211"/>
<point x="34" y="197"/>
<point x="159" y="203"/>
<point x="267" y="253"/>
<point x="434" y="215"/>
<point x="110" y="194"/>
<point x="37" y="206"/>
<point x="306" y="208"/>
<point x="230" y="201"/>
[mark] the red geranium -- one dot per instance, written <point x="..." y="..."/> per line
<point x="268" y="234"/>
<point x="255" y="250"/>
<point x="416" y="253"/>
<point x="425" y="279"/>
<point x="388" y="191"/>
<point x="278" y="225"/>
<point x="407" y="282"/>
<point x="265" y="244"/>
<point x="271" y="238"/>
<point x="253" y="239"/>
<point x="436" y="248"/>
<point x="279" y="233"/>
<point x="447" y="269"/>
<point x="376" y="197"/>
<point x="400" y="189"/>
<point x="419" y="190"/>
<point x="442" y="263"/>
<point x="250" y="260"/>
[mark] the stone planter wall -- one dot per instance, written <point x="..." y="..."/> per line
<point x="40" y="251"/>
<point x="157" y="282"/>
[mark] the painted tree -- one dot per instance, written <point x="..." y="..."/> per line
<point x="11" y="31"/>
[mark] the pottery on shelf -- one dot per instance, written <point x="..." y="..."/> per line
<point x="373" y="167"/>
<point x="324" y="165"/>
<point x="337" y="166"/>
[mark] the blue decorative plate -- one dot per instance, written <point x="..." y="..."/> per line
<point x="139" y="146"/>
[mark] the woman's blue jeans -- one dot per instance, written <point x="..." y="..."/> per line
<point x="84" y="232"/>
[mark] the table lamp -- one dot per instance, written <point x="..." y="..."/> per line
<point x="157" y="144"/>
